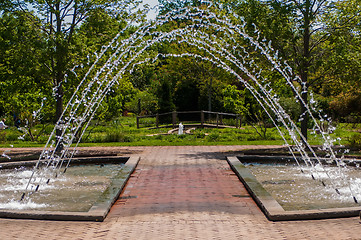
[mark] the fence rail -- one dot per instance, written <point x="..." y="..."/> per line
<point x="190" y="118"/>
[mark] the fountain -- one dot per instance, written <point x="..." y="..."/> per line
<point x="85" y="193"/>
<point x="283" y="192"/>
<point x="217" y="39"/>
<point x="180" y="129"/>
<point x="295" y="190"/>
<point x="80" y="188"/>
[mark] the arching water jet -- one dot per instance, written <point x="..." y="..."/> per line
<point x="216" y="39"/>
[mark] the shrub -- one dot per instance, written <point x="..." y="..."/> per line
<point x="12" y="136"/>
<point x="199" y="134"/>
<point x="158" y="137"/>
<point x="182" y="136"/>
<point x="2" y="136"/>
<point x="116" y="136"/>
<point x="43" y="139"/>
<point x="355" y="141"/>
<point x="93" y="138"/>
<point x="213" y="137"/>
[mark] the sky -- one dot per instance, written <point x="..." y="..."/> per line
<point x="151" y="3"/>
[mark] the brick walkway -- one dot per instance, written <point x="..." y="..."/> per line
<point x="183" y="193"/>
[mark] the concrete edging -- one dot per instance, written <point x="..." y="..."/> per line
<point x="272" y="209"/>
<point x="97" y="212"/>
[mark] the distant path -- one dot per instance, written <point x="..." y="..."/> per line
<point x="185" y="192"/>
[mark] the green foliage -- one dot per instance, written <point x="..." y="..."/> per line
<point x="342" y="62"/>
<point x="2" y="136"/>
<point x="355" y="141"/>
<point x="123" y="132"/>
<point x="213" y="137"/>
<point x="114" y="103"/>
<point x="346" y="105"/>
<point x="291" y="107"/>
<point x="148" y="103"/>
<point x="177" y="4"/>
<point x="165" y="100"/>
<point x="116" y="137"/>
<point x="233" y="100"/>
<point x="319" y="39"/>
<point x="22" y="75"/>
<point x="276" y="22"/>
<point x="34" y="59"/>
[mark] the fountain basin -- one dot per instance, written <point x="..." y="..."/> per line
<point x="273" y="209"/>
<point x="99" y="210"/>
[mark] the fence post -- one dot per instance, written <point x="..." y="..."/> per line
<point x="138" y="122"/>
<point x="202" y="118"/>
<point x="239" y="119"/>
<point x="174" y="118"/>
<point x="157" y="120"/>
<point x="217" y="118"/>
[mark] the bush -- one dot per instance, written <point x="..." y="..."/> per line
<point x="355" y="141"/>
<point x="93" y="138"/>
<point x="12" y="136"/>
<point x="199" y="134"/>
<point x="116" y="136"/>
<point x="43" y="139"/>
<point x="148" y="104"/>
<point x="2" y="136"/>
<point x="213" y="137"/>
<point x="182" y="136"/>
<point x="158" y="137"/>
<point x="291" y="107"/>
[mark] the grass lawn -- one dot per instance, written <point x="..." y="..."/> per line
<point x="123" y="132"/>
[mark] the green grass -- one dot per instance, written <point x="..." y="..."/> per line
<point x="123" y="132"/>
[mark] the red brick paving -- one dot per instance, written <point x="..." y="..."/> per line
<point x="183" y="193"/>
<point x="193" y="188"/>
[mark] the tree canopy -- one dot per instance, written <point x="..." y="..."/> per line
<point x="43" y="43"/>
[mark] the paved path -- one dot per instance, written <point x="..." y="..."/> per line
<point x="183" y="193"/>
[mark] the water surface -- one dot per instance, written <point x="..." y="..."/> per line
<point x="295" y="190"/>
<point x="76" y="190"/>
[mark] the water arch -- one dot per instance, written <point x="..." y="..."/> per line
<point x="215" y="39"/>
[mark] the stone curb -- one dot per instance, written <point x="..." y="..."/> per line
<point x="97" y="212"/>
<point x="272" y="209"/>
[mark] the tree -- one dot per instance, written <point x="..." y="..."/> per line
<point x="23" y="81"/>
<point x="234" y="100"/>
<point x="307" y="13"/>
<point x="167" y="6"/>
<point x="97" y="30"/>
<point x="58" y="21"/>
<point x="342" y="61"/>
<point x="297" y="31"/>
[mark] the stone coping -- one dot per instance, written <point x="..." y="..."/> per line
<point x="97" y="212"/>
<point x="272" y="209"/>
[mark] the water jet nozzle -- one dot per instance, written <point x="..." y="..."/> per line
<point x="354" y="198"/>
<point x="37" y="188"/>
<point x="337" y="191"/>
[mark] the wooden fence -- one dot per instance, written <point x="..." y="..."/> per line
<point x="190" y="118"/>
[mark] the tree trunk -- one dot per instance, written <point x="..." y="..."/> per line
<point x="305" y="65"/>
<point x="60" y="55"/>
<point x="304" y="120"/>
